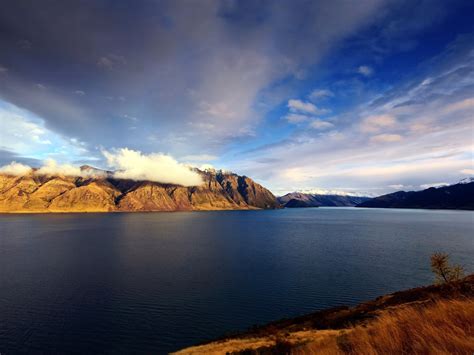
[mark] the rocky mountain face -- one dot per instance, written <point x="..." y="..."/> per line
<point x="458" y="196"/>
<point x="298" y="199"/>
<point x="103" y="193"/>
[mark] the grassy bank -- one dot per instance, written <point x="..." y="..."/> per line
<point x="437" y="319"/>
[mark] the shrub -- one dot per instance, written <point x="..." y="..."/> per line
<point x="444" y="272"/>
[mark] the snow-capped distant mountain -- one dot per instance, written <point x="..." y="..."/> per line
<point x="299" y="199"/>
<point x="466" y="180"/>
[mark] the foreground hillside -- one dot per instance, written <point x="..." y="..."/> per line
<point x="45" y="193"/>
<point x="458" y="196"/>
<point x="427" y="320"/>
<point x="299" y="199"/>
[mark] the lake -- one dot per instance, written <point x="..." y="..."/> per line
<point x="157" y="282"/>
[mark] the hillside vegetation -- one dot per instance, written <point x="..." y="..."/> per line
<point x="437" y="319"/>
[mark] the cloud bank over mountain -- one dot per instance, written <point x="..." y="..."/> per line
<point x="134" y="165"/>
<point x="126" y="163"/>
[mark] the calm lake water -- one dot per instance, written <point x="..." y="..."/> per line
<point x="157" y="282"/>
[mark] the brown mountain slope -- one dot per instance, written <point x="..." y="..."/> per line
<point x="34" y="193"/>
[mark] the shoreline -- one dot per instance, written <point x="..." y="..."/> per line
<point x="332" y="325"/>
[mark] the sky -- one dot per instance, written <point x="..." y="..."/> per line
<point x="365" y="97"/>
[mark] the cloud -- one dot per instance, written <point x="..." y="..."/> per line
<point x="217" y="64"/>
<point x="219" y="110"/>
<point x="51" y="167"/>
<point x="26" y="135"/>
<point x="305" y="107"/>
<point x="320" y="124"/>
<point x="467" y="104"/>
<point x="3" y="69"/>
<point x="434" y="184"/>
<point x="320" y="94"/>
<point x="365" y="70"/>
<point x="79" y="92"/>
<point x="441" y="145"/>
<point x="296" y="118"/>
<point x="111" y="61"/>
<point x="376" y="123"/>
<point x="158" y="167"/>
<point x="386" y="138"/>
<point x="15" y="168"/>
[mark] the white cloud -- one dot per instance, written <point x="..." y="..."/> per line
<point x="134" y="165"/>
<point x="305" y="107"/>
<point x="434" y="184"/>
<point x="15" y="168"/>
<point x="386" y="138"/>
<point x="51" y="167"/>
<point x="365" y="70"/>
<point x="376" y="123"/>
<point x="296" y="118"/>
<point x="26" y="135"/>
<point x="320" y="94"/>
<point x="320" y="124"/>
<point x="207" y="167"/>
<point x="432" y="117"/>
<point x="79" y="92"/>
<point x="3" y="69"/>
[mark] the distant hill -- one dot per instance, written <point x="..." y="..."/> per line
<point x="98" y="191"/>
<point x="299" y="199"/>
<point x="458" y="196"/>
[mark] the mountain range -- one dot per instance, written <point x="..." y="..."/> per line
<point x="299" y="199"/>
<point x="457" y="196"/>
<point x="98" y="191"/>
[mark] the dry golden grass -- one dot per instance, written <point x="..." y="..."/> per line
<point x="444" y="327"/>
<point x="434" y="328"/>
<point x="268" y="342"/>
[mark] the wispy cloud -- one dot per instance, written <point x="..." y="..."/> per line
<point x="320" y="94"/>
<point x="305" y="107"/>
<point x="296" y="118"/>
<point x="376" y="123"/>
<point x="386" y="138"/>
<point x="320" y="124"/>
<point x="365" y="70"/>
<point x="418" y="129"/>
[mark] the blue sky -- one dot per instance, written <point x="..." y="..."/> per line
<point x="365" y="97"/>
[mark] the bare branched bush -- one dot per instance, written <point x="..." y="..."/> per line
<point x="444" y="272"/>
